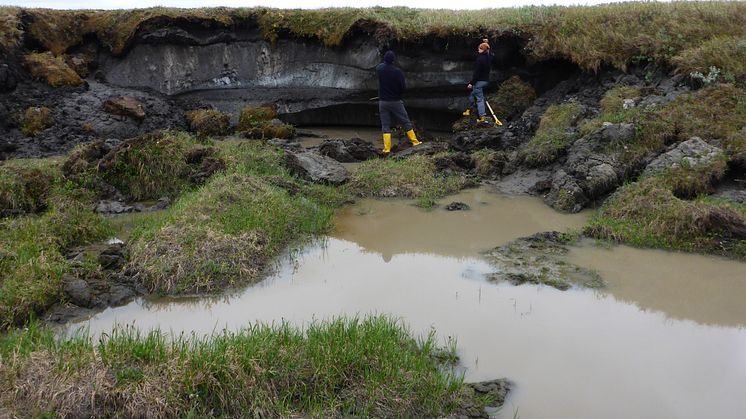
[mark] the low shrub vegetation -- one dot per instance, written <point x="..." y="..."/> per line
<point x="34" y="120"/>
<point x="352" y="368"/>
<point x="209" y="122"/>
<point x="53" y="70"/>
<point x="413" y="177"/>
<point x="553" y="137"/>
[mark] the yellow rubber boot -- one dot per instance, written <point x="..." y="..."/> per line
<point x="481" y="120"/>
<point x="467" y="112"/>
<point x="387" y="143"/>
<point x="413" y="138"/>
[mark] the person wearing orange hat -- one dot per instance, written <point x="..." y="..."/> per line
<point x="479" y="80"/>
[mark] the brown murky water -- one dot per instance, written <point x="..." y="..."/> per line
<point x="665" y="342"/>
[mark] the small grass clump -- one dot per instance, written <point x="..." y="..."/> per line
<point x="512" y="98"/>
<point x="35" y="119"/>
<point x="225" y="232"/>
<point x="150" y="166"/>
<point x="727" y="54"/>
<point x="25" y="185"/>
<point x="337" y="368"/>
<point x="53" y="70"/>
<point x="552" y="137"/>
<point x="489" y="162"/>
<point x="413" y="177"/>
<point x="208" y="122"/>
<point x="648" y="214"/>
<point x="256" y="122"/>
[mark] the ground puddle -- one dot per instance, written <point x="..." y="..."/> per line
<point x="666" y="339"/>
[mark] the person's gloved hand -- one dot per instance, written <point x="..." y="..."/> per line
<point x="469" y="86"/>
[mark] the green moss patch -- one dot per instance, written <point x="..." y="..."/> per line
<point x="256" y="122"/>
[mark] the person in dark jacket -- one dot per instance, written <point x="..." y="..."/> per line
<point x="391" y="86"/>
<point x="479" y="80"/>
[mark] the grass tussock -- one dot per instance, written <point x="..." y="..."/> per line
<point x="209" y="122"/>
<point x="338" y="368"/>
<point x="25" y="185"/>
<point x="414" y="177"/>
<point x="553" y="137"/>
<point x="256" y="122"/>
<point x="648" y="214"/>
<point x="727" y="54"/>
<point x="689" y="182"/>
<point x="10" y="27"/>
<point x="51" y="69"/>
<point x="31" y="249"/>
<point x="150" y="166"/>
<point x="614" y="34"/>
<point x="34" y="120"/>
<point x="512" y="98"/>
<point x="225" y="233"/>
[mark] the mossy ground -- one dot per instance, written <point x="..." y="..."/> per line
<point x="351" y="368"/>
<point x="413" y="177"/>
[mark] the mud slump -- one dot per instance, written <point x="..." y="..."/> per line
<point x="665" y="339"/>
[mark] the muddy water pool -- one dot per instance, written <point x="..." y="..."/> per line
<point x="665" y="339"/>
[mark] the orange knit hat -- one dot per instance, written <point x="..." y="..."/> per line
<point x="484" y="46"/>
